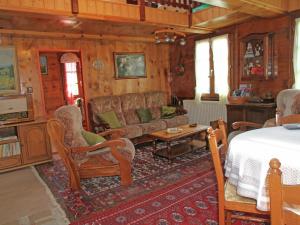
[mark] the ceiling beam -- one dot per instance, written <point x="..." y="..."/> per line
<point x="60" y="35"/>
<point x="261" y="8"/>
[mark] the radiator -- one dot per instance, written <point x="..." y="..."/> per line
<point x="204" y="112"/>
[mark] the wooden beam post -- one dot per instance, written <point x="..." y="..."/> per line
<point x="142" y="10"/>
<point x="74" y="5"/>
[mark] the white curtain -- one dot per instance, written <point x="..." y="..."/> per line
<point x="202" y="67"/>
<point x="296" y="58"/>
<point x="220" y="53"/>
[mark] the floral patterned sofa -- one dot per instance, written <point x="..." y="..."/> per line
<point x="125" y="107"/>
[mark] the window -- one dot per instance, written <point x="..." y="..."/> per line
<point x="296" y="60"/>
<point x="71" y="81"/>
<point x="211" y="68"/>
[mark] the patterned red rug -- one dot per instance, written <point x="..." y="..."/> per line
<point x="182" y="191"/>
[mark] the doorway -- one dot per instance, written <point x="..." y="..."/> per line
<point x="62" y="81"/>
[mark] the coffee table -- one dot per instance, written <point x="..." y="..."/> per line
<point x="173" y="149"/>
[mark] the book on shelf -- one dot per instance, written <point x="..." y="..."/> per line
<point x="14" y="137"/>
<point x="10" y="149"/>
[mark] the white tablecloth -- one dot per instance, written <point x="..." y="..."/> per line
<point x="248" y="158"/>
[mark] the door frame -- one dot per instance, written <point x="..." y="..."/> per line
<point x="63" y="50"/>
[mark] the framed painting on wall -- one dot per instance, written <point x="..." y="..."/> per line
<point x="129" y="65"/>
<point x="43" y="65"/>
<point x="9" y="79"/>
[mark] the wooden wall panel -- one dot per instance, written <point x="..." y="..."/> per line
<point x="282" y="49"/>
<point x="99" y="8"/>
<point x="294" y="5"/>
<point x="183" y="86"/>
<point x="96" y="83"/>
<point x="166" y="17"/>
<point x="41" y="6"/>
<point x="283" y="41"/>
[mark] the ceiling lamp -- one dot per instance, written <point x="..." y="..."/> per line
<point x="169" y="36"/>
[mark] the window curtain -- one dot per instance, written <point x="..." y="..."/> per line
<point x="221" y="61"/>
<point x="296" y="57"/>
<point x="202" y="66"/>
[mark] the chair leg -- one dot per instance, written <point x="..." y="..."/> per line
<point x="221" y="215"/>
<point x="228" y="218"/>
<point x="125" y="173"/>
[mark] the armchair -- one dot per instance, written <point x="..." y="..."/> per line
<point x="109" y="158"/>
<point x="288" y="102"/>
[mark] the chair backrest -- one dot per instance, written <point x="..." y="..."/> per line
<point x="56" y="133"/>
<point x="288" y="101"/>
<point x="218" y="144"/>
<point x="282" y="197"/>
<point x="293" y="118"/>
<point x="70" y="117"/>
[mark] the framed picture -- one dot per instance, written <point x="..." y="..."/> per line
<point x="44" y="64"/>
<point x="129" y="65"/>
<point x="9" y="79"/>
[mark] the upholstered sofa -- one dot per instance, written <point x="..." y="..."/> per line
<point x="125" y="107"/>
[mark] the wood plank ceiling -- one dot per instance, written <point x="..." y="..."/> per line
<point x="222" y="13"/>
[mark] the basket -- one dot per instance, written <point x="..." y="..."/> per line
<point x="237" y="100"/>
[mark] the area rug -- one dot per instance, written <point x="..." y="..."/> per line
<point x="181" y="191"/>
<point x="98" y="194"/>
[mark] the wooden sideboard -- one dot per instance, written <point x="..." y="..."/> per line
<point x="24" y="144"/>
<point x="252" y="112"/>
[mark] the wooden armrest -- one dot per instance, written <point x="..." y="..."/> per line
<point x="114" y="133"/>
<point x="111" y="144"/>
<point x="244" y="124"/>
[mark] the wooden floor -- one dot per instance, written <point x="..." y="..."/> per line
<point x="25" y="200"/>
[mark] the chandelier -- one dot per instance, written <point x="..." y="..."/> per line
<point x="169" y="36"/>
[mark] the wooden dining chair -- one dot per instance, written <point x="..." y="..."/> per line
<point x="293" y="118"/>
<point x="229" y="200"/>
<point x="284" y="199"/>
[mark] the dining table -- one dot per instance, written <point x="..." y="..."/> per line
<point x="248" y="157"/>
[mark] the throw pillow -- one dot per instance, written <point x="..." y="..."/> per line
<point x="168" y="112"/>
<point x="92" y="138"/>
<point x="110" y="118"/>
<point x="144" y="115"/>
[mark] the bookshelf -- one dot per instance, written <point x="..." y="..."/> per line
<point x="24" y="144"/>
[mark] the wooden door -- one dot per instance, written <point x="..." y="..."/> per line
<point x="35" y="143"/>
<point x="53" y="84"/>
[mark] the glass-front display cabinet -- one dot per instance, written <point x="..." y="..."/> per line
<point x="257" y="57"/>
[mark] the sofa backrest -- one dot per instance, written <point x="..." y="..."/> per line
<point x="125" y="106"/>
<point x="105" y="104"/>
<point x="130" y="103"/>
<point x="154" y="101"/>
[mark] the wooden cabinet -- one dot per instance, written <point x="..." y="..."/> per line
<point x="24" y="144"/>
<point x="34" y="143"/>
<point x="251" y="112"/>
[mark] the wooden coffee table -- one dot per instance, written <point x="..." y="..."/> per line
<point x="172" y="149"/>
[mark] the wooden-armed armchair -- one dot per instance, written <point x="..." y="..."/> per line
<point x="108" y="158"/>
<point x="288" y="102"/>
<point x="284" y="199"/>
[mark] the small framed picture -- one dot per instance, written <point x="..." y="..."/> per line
<point x="43" y="65"/>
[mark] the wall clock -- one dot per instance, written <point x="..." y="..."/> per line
<point x="98" y="64"/>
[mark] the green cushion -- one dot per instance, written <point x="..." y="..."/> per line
<point x="92" y="138"/>
<point x="168" y="112"/>
<point x="111" y="118"/>
<point x="144" y="115"/>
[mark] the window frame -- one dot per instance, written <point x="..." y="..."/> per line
<point x="212" y="95"/>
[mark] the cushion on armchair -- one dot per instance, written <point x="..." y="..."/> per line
<point x="92" y="138"/>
